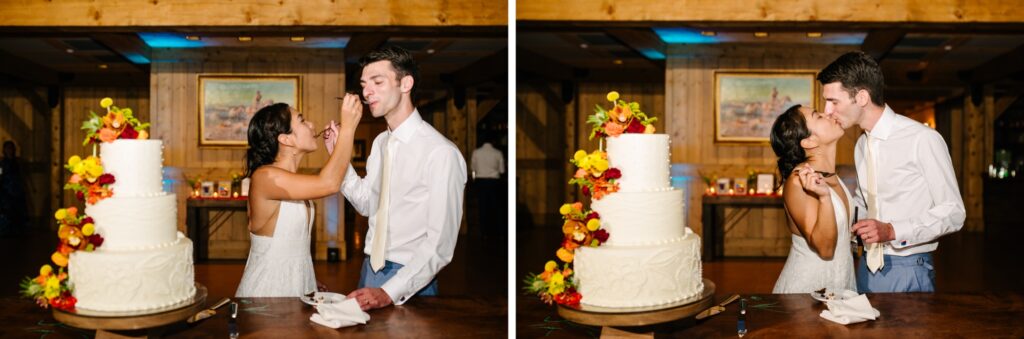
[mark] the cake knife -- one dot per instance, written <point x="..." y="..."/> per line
<point x="232" y="321"/>
<point x="208" y="312"/>
<point x="718" y="308"/>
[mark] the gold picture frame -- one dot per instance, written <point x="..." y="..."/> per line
<point x="748" y="101"/>
<point x="228" y="101"/>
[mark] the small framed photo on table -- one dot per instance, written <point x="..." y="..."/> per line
<point x="765" y="183"/>
<point x="723" y="185"/>
<point x="207" y="189"/>
<point x="740" y="185"/>
<point x="224" y="188"/>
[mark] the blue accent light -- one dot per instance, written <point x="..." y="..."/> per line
<point x="137" y="59"/>
<point x="679" y="35"/>
<point x="652" y="54"/>
<point x="327" y="43"/>
<point x="168" y="40"/>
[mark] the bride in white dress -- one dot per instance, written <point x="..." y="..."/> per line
<point x="816" y="201"/>
<point x="280" y="211"/>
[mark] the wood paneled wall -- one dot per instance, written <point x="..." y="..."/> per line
<point x="174" y="115"/>
<point x="27" y="120"/>
<point x="689" y="118"/>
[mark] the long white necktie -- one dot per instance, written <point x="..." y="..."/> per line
<point x="380" y="230"/>
<point x="875" y="259"/>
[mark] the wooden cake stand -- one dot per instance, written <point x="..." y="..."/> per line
<point x="640" y="316"/>
<point x="103" y="322"/>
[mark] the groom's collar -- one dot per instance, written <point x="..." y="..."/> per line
<point x="884" y="125"/>
<point x="407" y="129"/>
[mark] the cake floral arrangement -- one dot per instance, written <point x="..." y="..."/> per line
<point x="596" y="179"/>
<point x="90" y="184"/>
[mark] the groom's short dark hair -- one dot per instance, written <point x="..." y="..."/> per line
<point x="400" y="58"/>
<point x="856" y="71"/>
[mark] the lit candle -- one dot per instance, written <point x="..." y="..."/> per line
<point x="750" y="191"/>
<point x="731" y="191"/>
<point x="235" y="194"/>
<point x="712" y="190"/>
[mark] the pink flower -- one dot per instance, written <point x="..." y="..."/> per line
<point x="580" y="173"/>
<point x="613" y="129"/>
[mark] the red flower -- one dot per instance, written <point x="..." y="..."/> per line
<point x="569" y="298"/>
<point x="601" y="235"/>
<point x="96" y="240"/>
<point x="87" y="220"/>
<point x="592" y="215"/>
<point x="80" y="195"/>
<point x="64" y="302"/>
<point x="106" y="179"/>
<point x="612" y="173"/>
<point x="635" y="127"/>
<point x="586" y="191"/>
<point x="130" y="133"/>
<point x="599" y="134"/>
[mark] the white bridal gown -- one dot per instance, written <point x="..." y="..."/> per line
<point x="806" y="272"/>
<point x="281" y="265"/>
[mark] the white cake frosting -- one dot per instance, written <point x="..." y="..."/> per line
<point x="137" y="166"/>
<point x="144" y="262"/>
<point x="639" y="276"/>
<point x="133" y="280"/>
<point x="651" y="258"/>
<point x="643" y="160"/>
<point x="638" y="218"/>
<point x="135" y="222"/>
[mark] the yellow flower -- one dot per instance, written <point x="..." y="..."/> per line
<point x="143" y="135"/>
<point x="106" y="102"/>
<point x="89" y="228"/>
<point x="593" y="224"/>
<point x="45" y="270"/>
<point x="557" y="284"/>
<point x="52" y="289"/>
<point x="74" y="160"/>
<point x="613" y="95"/>
<point x="61" y="214"/>
<point x="649" y="129"/>
<point x="565" y="209"/>
<point x="579" y="155"/>
<point x="550" y="266"/>
<point x="564" y="255"/>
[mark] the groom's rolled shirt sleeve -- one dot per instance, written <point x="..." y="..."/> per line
<point x="446" y="178"/>
<point x="947" y="213"/>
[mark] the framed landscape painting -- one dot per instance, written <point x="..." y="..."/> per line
<point x="227" y="102"/>
<point x="747" y="102"/>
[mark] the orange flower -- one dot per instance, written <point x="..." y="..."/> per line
<point x="613" y="129"/>
<point x="75" y="178"/>
<point x="114" y="119"/>
<point x="620" y="113"/>
<point x="571" y="226"/>
<point x="59" y="259"/>
<point x="578" y="206"/>
<point x="72" y="211"/>
<point x="564" y="255"/>
<point x="580" y="173"/>
<point x="108" y="135"/>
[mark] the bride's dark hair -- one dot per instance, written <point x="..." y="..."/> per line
<point x="265" y="126"/>
<point x="787" y="131"/>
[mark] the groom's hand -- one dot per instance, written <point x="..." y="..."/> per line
<point x="874" y="231"/>
<point x="370" y="298"/>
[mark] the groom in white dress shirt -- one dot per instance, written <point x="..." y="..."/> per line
<point x="415" y="210"/>
<point x="906" y="189"/>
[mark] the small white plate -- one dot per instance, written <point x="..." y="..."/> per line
<point x="323" y="298"/>
<point x="835" y="295"/>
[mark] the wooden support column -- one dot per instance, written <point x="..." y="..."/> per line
<point x="472" y="114"/>
<point x="974" y="164"/>
<point x="56" y="158"/>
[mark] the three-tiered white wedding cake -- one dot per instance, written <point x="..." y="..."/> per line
<point x="144" y="262"/>
<point x="651" y="258"/>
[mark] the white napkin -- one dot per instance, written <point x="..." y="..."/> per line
<point x="340" y="314"/>
<point x="850" y="310"/>
<point x="875" y="257"/>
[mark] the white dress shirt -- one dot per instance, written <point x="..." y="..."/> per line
<point x="487" y="162"/>
<point x="427" y="184"/>
<point x="917" y="189"/>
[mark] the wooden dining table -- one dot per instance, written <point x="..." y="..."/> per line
<point x="903" y="315"/>
<point x="421" y="317"/>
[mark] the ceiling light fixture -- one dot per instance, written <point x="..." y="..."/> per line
<point x="948" y="47"/>
<point x="430" y="51"/>
<point x="69" y="50"/>
<point x="761" y="34"/>
<point x="103" y="66"/>
<point x="192" y="37"/>
<point x="813" y="34"/>
<point x="298" y="39"/>
<point x="708" y="33"/>
<point x="245" y="38"/>
<point x="617" y="61"/>
<point x="584" y="46"/>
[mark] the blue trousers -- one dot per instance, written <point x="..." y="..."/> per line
<point x="369" y="278"/>
<point x="912" y="273"/>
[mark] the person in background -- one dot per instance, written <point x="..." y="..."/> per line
<point x="488" y="165"/>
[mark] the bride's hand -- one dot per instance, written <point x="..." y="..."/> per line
<point x="351" y="111"/>
<point x="331" y="136"/>
<point x="812" y="182"/>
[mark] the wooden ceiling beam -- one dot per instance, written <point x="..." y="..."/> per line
<point x="999" y="67"/>
<point x="885" y="11"/>
<point x="376" y="13"/>
<point x="643" y="41"/>
<point x="361" y="43"/>
<point x="128" y="46"/>
<point x="543" y="67"/>
<point x="878" y="43"/>
<point x="27" y="71"/>
<point x="491" y="67"/>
